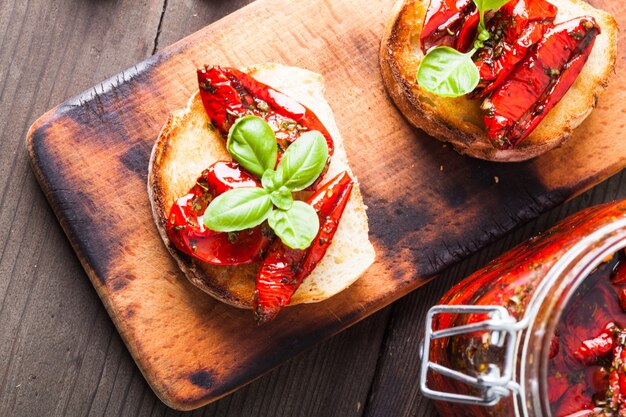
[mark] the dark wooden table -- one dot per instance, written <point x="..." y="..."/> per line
<point x="59" y="352"/>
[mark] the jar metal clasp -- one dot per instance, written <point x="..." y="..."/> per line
<point x="497" y="382"/>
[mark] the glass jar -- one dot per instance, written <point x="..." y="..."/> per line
<point x="489" y="343"/>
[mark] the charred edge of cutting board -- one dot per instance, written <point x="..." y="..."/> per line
<point x="406" y="223"/>
<point x="215" y="384"/>
<point x="56" y="184"/>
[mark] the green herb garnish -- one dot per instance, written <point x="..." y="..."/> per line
<point x="238" y="209"/>
<point x="295" y="225"/>
<point x="446" y="72"/>
<point x="252" y="144"/>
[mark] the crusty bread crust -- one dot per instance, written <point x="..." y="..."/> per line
<point x="188" y="144"/>
<point x="459" y="120"/>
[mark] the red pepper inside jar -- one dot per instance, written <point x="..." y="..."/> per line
<point x="540" y="331"/>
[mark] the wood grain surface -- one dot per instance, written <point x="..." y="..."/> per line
<point x="90" y="155"/>
<point x="59" y="354"/>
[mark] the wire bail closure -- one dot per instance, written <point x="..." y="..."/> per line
<point x="496" y="383"/>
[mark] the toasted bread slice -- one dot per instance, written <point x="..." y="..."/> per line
<point x="460" y="120"/>
<point x="187" y="145"/>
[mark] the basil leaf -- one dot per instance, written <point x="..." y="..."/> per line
<point x="303" y="161"/>
<point x="251" y="141"/>
<point x="282" y="198"/>
<point x="238" y="209"/>
<point x="484" y="5"/>
<point x="268" y="181"/>
<point x="296" y="227"/>
<point x="447" y="72"/>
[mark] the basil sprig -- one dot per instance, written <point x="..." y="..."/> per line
<point x="446" y="72"/>
<point x="252" y="143"/>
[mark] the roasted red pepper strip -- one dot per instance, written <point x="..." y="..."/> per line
<point x="228" y="94"/>
<point x="516" y="27"/>
<point x="450" y="23"/>
<point x="591" y="350"/>
<point x="283" y="269"/>
<point x="617" y="377"/>
<point x="186" y="230"/>
<point x="539" y="81"/>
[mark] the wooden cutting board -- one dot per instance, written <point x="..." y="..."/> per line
<point x="428" y="206"/>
